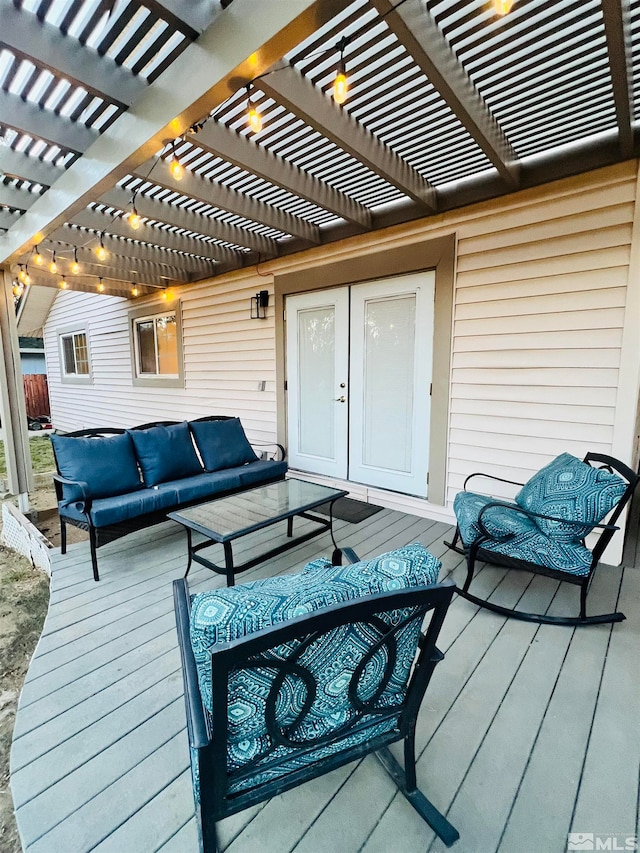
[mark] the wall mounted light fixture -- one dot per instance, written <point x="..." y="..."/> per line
<point x="259" y="304"/>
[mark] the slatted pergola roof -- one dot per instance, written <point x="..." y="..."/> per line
<point x="448" y="104"/>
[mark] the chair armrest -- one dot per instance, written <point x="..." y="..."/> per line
<point x="279" y="451"/>
<point x="530" y="514"/>
<point x="60" y="481"/>
<point x="489" y="477"/>
<point x="196" y="721"/>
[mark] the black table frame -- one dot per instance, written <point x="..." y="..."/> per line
<point x="229" y="569"/>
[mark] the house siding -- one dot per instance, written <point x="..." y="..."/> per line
<point x="541" y="286"/>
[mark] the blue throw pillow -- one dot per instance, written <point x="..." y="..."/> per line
<point x="165" y="453"/>
<point x="106" y="463"/>
<point x="222" y="444"/>
<point x="572" y="489"/>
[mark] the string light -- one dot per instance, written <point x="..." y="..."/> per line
<point x="340" y="84"/>
<point x="27" y="278"/>
<point x="53" y="266"/>
<point x="75" y="266"/>
<point x="63" y="283"/>
<point x="134" y="219"/>
<point x="101" y="252"/>
<point x="100" y="285"/>
<point x="18" y="289"/>
<point x="254" y="118"/>
<point x="134" y="290"/>
<point x="175" y="166"/>
<point x="21" y="273"/>
<point x="502" y="7"/>
<point x="37" y="258"/>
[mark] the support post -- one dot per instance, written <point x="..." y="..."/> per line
<point x="13" y="410"/>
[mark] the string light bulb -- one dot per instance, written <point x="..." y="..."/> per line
<point x="21" y="273"/>
<point x="134" y="217"/>
<point x="502" y="7"/>
<point x="18" y="289"/>
<point x="134" y="290"/>
<point x="175" y="166"/>
<point x="75" y="266"/>
<point x="27" y="278"/>
<point x="53" y="266"/>
<point x="254" y="119"/>
<point x="100" y="285"/>
<point x="37" y="258"/>
<point x="63" y="283"/>
<point x="101" y="252"/>
<point x="341" y="84"/>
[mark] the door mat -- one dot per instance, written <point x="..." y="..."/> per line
<point x="347" y="509"/>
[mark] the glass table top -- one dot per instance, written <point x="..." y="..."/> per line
<point x="225" y="518"/>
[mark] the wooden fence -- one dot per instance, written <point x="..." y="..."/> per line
<point x="36" y="394"/>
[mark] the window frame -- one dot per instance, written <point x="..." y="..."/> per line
<point x="74" y="378"/>
<point x="151" y="311"/>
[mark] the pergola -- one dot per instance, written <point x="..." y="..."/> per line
<point x="448" y="104"/>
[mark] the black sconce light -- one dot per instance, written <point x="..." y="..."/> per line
<point x="259" y="304"/>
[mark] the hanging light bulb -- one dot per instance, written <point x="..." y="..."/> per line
<point x="53" y="266"/>
<point x="26" y="278"/>
<point x="75" y="266"/>
<point x="21" y="273"/>
<point x="134" y="290"/>
<point x="341" y="84"/>
<point x="101" y="252"/>
<point x="254" y="118"/>
<point x="100" y="285"/>
<point x="134" y="219"/>
<point x="37" y="258"/>
<point x="18" y="289"/>
<point x="502" y="7"/>
<point x="63" y="283"/>
<point x="175" y="166"/>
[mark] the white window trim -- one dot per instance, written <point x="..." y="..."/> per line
<point x="74" y="378"/>
<point x="149" y="311"/>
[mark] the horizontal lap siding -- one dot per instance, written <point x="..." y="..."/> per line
<point x="226" y="354"/>
<point x="538" y="319"/>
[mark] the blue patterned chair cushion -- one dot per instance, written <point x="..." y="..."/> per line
<point x="517" y="536"/>
<point x="572" y="489"/>
<point x="225" y="614"/>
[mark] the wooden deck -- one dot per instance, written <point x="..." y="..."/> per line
<point x="527" y="732"/>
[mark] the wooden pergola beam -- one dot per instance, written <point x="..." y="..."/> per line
<point x="617" y="28"/>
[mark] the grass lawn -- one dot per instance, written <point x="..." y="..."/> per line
<point x="41" y="455"/>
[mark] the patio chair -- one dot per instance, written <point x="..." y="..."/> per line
<point x="544" y="530"/>
<point x="288" y="678"/>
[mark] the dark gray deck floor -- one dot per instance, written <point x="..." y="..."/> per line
<point x="527" y="732"/>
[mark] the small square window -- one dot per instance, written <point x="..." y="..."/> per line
<point x="157" y="347"/>
<point x="74" y="350"/>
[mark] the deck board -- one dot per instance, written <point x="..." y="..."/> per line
<point x="527" y="731"/>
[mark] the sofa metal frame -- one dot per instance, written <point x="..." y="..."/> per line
<point x="475" y="552"/>
<point x="99" y="536"/>
<point x="208" y="732"/>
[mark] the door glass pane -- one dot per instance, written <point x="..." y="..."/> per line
<point x="389" y="348"/>
<point x="316" y="380"/>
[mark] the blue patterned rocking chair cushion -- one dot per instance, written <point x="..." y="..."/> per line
<point x="226" y="614"/>
<point x="572" y="489"/>
<point x="517" y="536"/>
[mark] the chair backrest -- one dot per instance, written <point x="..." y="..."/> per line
<point x="300" y="698"/>
<point x="600" y="460"/>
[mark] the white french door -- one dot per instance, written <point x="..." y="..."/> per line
<point x="358" y="378"/>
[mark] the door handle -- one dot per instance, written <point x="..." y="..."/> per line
<point x="342" y="399"/>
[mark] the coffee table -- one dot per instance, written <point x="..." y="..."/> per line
<point x="225" y="519"/>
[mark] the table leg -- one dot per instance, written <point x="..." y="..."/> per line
<point x="228" y="563"/>
<point x="189" y="551"/>
<point x="290" y="526"/>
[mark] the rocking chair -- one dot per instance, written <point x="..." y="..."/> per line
<point x="544" y="531"/>
<point x="291" y="677"/>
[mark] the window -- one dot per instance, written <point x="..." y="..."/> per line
<point x="74" y="351"/>
<point x="156" y="347"/>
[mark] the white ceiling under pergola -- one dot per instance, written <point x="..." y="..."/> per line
<point x="448" y="104"/>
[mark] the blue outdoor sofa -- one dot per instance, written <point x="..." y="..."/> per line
<point x="112" y="481"/>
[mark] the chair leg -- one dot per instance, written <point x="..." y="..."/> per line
<point x="427" y="811"/>
<point x="471" y="564"/>
<point x="454" y="542"/>
<point x="93" y="542"/>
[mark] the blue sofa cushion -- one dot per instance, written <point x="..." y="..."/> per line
<point x="572" y="489"/>
<point x="225" y="614"/>
<point x="107" y="464"/>
<point x="517" y="536"/>
<point x="113" y="510"/>
<point x="203" y="486"/>
<point x="261" y="471"/>
<point x="222" y="444"/>
<point x="165" y="453"/>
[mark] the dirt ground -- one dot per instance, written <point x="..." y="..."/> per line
<point x="24" y="598"/>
